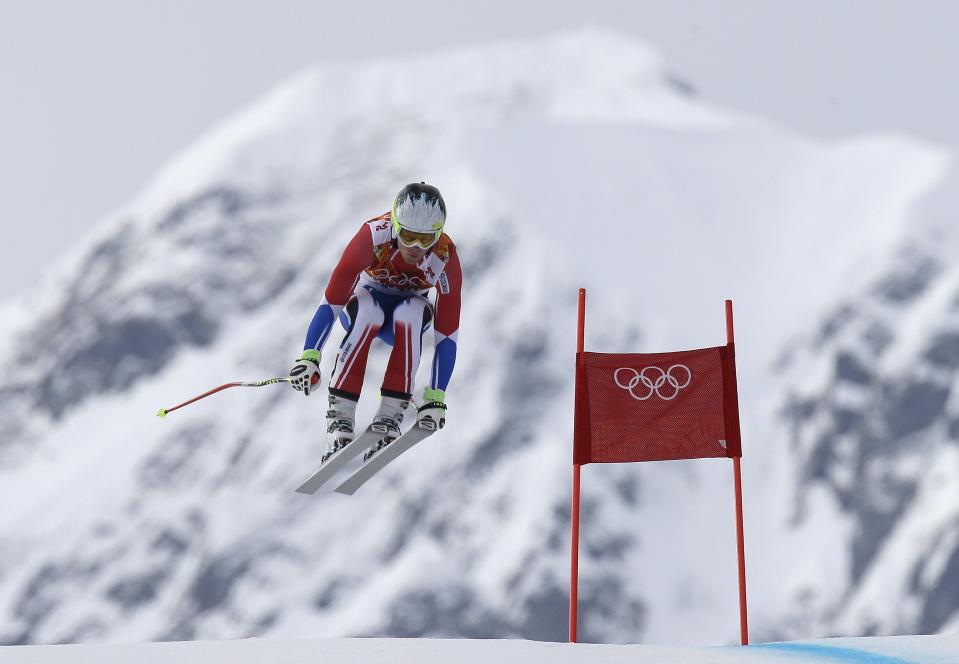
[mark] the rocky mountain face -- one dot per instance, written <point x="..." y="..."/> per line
<point x="872" y="421"/>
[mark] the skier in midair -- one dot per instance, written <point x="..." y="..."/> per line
<point x="379" y="290"/>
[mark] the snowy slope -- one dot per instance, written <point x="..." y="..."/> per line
<point x="570" y="161"/>
<point x="888" y="650"/>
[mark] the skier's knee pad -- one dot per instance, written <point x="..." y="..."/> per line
<point x="364" y="311"/>
<point x="415" y="311"/>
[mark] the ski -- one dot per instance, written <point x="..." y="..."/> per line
<point x="380" y="458"/>
<point x="342" y="457"/>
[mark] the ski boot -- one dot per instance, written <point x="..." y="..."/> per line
<point x="387" y="422"/>
<point x="340" y="419"/>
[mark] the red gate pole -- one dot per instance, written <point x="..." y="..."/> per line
<point x="738" y="484"/>
<point x="574" y="539"/>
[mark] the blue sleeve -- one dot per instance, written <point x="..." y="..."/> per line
<point x="444" y="358"/>
<point x="321" y="325"/>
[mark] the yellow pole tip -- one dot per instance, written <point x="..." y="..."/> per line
<point x="162" y="413"/>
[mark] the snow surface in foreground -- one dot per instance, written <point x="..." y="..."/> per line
<point x="942" y="649"/>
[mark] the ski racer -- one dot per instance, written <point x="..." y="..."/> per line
<point x="379" y="290"/>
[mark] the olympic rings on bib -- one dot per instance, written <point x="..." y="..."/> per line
<point x="659" y="379"/>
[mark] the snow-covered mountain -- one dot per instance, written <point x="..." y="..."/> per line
<point x="574" y="160"/>
<point x="871" y="418"/>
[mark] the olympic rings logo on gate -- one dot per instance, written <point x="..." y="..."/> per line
<point x="659" y="380"/>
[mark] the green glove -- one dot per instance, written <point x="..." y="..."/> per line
<point x="310" y="354"/>
<point x="434" y="396"/>
<point x="432" y="414"/>
<point x="305" y="373"/>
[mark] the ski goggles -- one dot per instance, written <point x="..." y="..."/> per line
<point x="410" y="238"/>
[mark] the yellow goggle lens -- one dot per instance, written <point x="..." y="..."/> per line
<point x="410" y="238"/>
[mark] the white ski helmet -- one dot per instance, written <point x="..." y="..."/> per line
<point x="419" y="214"/>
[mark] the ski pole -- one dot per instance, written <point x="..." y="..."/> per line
<point x="260" y="383"/>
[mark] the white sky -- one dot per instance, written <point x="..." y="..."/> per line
<point x="97" y="94"/>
